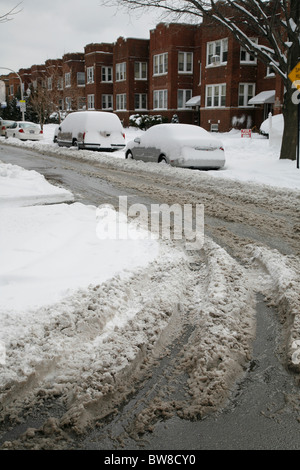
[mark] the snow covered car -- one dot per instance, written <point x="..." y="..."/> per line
<point x="94" y="130"/>
<point x="182" y="145"/>
<point x="24" y="130"/>
<point x="276" y="123"/>
<point x="4" y="125"/>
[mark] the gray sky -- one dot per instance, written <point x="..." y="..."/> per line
<point x="48" y="29"/>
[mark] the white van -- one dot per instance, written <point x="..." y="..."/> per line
<point x="94" y="130"/>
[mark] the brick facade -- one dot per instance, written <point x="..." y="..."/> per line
<point x="161" y="74"/>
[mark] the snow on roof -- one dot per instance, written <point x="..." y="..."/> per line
<point x="263" y="97"/>
<point x="195" y="101"/>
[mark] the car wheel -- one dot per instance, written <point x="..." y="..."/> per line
<point x="129" y="155"/>
<point x="75" y="143"/>
<point x="162" y="159"/>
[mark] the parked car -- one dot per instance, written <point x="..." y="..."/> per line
<point x="24" y="130"/>
<point x="4" y="125"/>
<point x="95" y="130"/>
<point x="181" y="145"/>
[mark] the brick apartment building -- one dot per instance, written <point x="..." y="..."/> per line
<point x="199" y="73"/>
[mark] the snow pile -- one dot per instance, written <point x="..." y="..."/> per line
<point x="50" y="250"/>
<point x="22" y="188"/>
<point x="82" y="317"/>
<point x="284" y="292"/>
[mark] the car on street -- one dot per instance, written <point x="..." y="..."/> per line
<point x="93" y="130"/>
<point x="180" y="145"/>
<point x="24" y="130"/>
<point x="4" y="124"/>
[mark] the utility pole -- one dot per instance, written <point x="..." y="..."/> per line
<point x="21" y="87"/>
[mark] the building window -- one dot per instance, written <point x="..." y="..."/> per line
<point x="160" y="99"/>
<point x="49" y="81"/>
<point x="107" y="74"/>
<point x="217" y="52"/>
<point x="91" y="101"/>
<point x="60" y="83"/>
<point x="160" y="64"/>
<point x="81" y="103"/>
<point x="121" y="72"/>
<point x="107" y="101"/>
<point x="140" y="70"/>
<point x="80" y="78"/>
<point x="248" y="57"/>
<point x="67" y="79"/>
<point x="90" y="74"/>
<point x="183" y="97"/>
<point x="121" y="102"/>
<point x="246" y="92"/>
<point x="215" y="96"/>
<point x="185" y="62"/>
<point x="11" y="90"/>
<point x="68" y="103"/>
<point x="140" y="101"/>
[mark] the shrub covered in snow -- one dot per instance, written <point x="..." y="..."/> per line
<point x="144" y="121"/>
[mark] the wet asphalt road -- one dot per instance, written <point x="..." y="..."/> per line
<point x="259" y="415"/>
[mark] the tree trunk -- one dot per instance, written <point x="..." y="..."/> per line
<point x="290" y="114"/>
<point x="290" y="108"/>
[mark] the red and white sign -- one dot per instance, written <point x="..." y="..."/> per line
<point x="246" y="133"/>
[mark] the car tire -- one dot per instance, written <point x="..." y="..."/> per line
<point x="75" y="144"/>
<point x="162" y="159"/>
<point x="129" y="155"/>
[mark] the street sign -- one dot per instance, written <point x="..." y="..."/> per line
<point x="294" y="75"/>
<point x="246" y="133"/>
<point x="22" y="105"/>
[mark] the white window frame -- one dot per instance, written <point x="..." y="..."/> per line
<point x="185" y="62"/>
<point x="90" y="74"/>
<point x="186" y="95"/>
<point x="68" y="101"/>
<point x="106" y="100"/>
<point x="160" y="64"/>
<point x="140" y="70"/>
<point x="217" y="48"/>
<point x="49" y="83"/>
<point x="216" y="95"/>
<point x="67" y="79"/>
<point x="121" y="72"/>
<point x="160" y="99"/>
<point x="107" y="73"/>
<point x="140" y="97"/>
<point x="121" y="102"/>
<point x="250" y="58"/>
<point x="81" y="103"/>
<point x="91" y="101"/>
<point x="60" y="83"/>
<point x="246" y="96"/>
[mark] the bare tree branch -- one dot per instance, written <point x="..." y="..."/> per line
<point x="10" y="14"/>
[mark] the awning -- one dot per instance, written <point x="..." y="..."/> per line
<point x="195" y="101"/>
<point x="264" y="97"/>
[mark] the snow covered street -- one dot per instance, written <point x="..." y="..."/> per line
<point x="83" y="320"/>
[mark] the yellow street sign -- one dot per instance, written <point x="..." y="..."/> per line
<point x="294" y="75"/>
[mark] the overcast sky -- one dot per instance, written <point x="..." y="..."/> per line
<point x="48" y="29"/>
